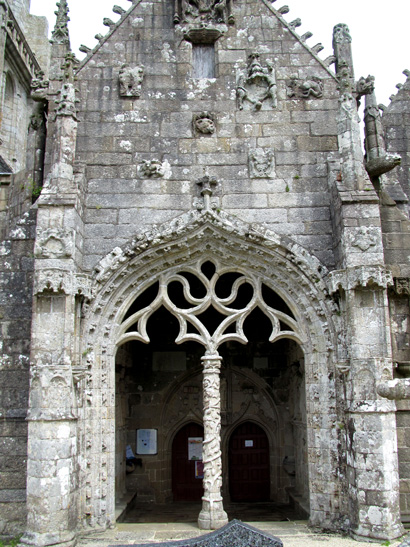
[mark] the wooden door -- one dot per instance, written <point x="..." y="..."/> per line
<point x="186" y="473"/>
<point x="249" y="466"/>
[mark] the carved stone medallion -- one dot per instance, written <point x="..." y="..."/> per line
<point x="261" y="163"/>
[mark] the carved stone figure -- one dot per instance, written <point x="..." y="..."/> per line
<point x="256" y="85"/>
<point x="130" y="80"/>
<point x="365" y="86"/>
<point x="311" y="87"/>
<point x="341" y="34"/>
<point x="261" y="163"/>
<point x="203" y="11"/>
<point x="39" y="87"/>
<point x="204" y="123"/>
<point x="67" y="101"/>
<point x="402" y="285"/>
<point x="151" y="169"/>
<point x="342" y="48"/>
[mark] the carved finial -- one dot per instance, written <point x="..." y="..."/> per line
<point x="318" y="48"/>
<point x="296" y="23"/>
<point x="342" y="48"/>
<point x="283" y="10"/>
<point x="119" y="10"/>
<point x="306" y="36"/>
<point x="207" y="185"/>
<point x="85" y="49"/>
<point x="108" y="22"/>
<point x="60" y="34"/>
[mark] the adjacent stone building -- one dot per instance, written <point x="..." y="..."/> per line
<point x="204" y="281"/>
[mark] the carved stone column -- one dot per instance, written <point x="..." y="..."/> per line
<point x="212" y="515"/>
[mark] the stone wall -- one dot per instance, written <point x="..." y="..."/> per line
<point x="16" y="285"/>
<point x="270" y="161"/>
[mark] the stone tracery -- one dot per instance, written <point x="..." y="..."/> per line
<point x="190" y="316"/>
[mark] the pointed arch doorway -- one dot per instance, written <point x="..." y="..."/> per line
<point x="209" y="303"/>
<point x="112" y="321"/>
<point x="187" y="466"/>
<point x="249" y="464"/>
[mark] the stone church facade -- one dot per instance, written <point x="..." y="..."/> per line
<point x="197" y="253"/>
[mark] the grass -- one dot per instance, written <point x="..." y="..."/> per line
<point x="11" y="542"/>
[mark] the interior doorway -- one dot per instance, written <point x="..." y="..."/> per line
<point x="187" y="466"/>
<point x="249" y="465"/>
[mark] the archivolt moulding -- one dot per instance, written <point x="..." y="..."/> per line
<point x="293" y="273"/>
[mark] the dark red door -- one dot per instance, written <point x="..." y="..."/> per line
<point x="186" y="474"/>
<point x="249" y="467"/>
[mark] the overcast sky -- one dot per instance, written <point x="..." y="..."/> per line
<point x="380" y="31"/>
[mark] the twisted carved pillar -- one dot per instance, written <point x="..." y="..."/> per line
<point x="212" y="515"/>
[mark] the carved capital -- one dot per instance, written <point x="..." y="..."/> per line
<point x="360" y="276"/>
<point x="55" y="280"/>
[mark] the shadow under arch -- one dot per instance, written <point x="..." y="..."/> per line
<point x="290" y="271"/>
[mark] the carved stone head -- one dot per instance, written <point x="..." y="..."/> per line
<point x="341" y="34"/>
<point x="254" y="65"/>
<point x="130" y="80"/>
<point x="204" y="123"/>
<point x="151" y="169"/>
